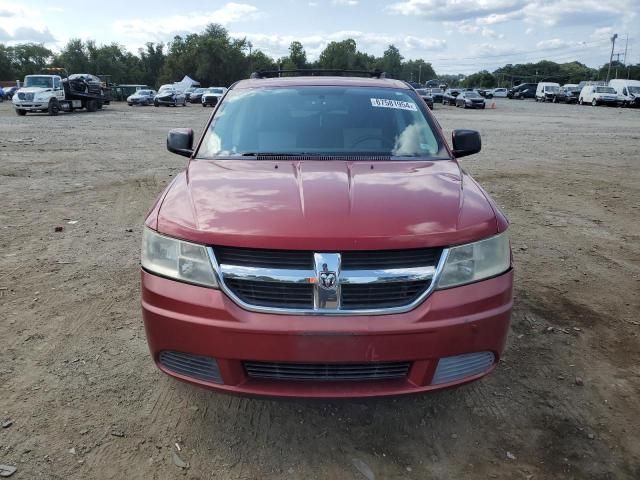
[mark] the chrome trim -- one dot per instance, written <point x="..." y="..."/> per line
<point x="306" y="311"/>
<point x="387" y="275"/>
<point x="259" y="274"/>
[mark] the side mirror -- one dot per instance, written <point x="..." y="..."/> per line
<point x="465" y="142"/>
<point x="180" y="141"/>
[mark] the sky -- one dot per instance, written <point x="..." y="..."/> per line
<point x="456" y="36"/>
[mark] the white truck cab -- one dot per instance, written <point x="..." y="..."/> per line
<point x="39" y="93"/>
<point x="598" y="95"/>
<point x="628" y="91"/>
<point x="546" y="91"/>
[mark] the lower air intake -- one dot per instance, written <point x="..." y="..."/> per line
<point x="458" y="367"/>
<point x="193" y="366"/>
<point x="327" y="371"/>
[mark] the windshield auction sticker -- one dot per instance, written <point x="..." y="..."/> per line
<point x="399" y="104"/>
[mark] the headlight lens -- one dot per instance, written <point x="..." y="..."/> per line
<point x="177" y="259"/>
<point x="476" y="261"/>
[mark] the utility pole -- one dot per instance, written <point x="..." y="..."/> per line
<point x="626" y="44"/>
<point x="420" y="73"/>
<point x="613" y="45"/>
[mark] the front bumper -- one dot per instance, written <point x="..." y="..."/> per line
<point x="30" y="106"/>
<point x="166" y="101"/>
<point x="184" y="318"/>
<point x="213" y="101"/>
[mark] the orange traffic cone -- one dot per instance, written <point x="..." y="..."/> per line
<point x="493" y="105"/>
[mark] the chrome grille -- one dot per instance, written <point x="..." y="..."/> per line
<point x="273" y="294"/>
<point x="327" y="371"/>
<point x="341" y="283"/>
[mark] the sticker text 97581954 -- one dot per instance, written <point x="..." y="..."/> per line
<point x="399" y="104"/>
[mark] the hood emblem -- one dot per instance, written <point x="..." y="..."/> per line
<point x="327" y="279"/>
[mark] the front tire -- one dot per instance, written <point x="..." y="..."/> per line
<point x="20" y="112"/>
<point x="155" y="103"/>
<point x="594" y="103"/>
<point x="54" y="107"/>
<point x="581" y="101"/>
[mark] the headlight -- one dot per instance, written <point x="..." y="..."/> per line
<point x="177" y="259"/>
<point x="476" y="261"/>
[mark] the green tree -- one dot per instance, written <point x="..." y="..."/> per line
<point x="74" y="57"/>
<point x="392" y="62"/>
<point x="297" y="55"/>
<point x="7" y="70"/>
<point x="339" y="55"/>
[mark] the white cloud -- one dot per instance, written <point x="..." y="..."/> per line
<point x="313" y="4"/>
<point x="163" y="28"/>
<point x="345" y="3"/>
<point x="545" y="12"/>
<point x="554" y="43"/>
<point x="19" y="24"/>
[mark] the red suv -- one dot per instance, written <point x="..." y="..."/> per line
<point x="323" y="241"/>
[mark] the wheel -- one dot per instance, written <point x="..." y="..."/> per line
<point x="155" y="103"/>
<point x="130" y="104"/>
<point x="21" y="112"/>
<point x="204" y="105"/>
<point x="92" y="105"/>
<point x="594" y="103"/>
<point x="554" y="100"/>
<point x="482" y="107"/>
<point x="54" y="107"/>
<point x="580" y="101"/>
<point x="184" y="103"/>
<point x="99" y="105"/>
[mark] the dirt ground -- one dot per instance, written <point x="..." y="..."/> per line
<point x="86" y="401"/>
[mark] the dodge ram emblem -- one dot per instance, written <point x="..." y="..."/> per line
<point x="327" y="280"/>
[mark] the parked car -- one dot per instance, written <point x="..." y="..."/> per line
<point x="628" y="91"/>
<point x="545" y="91"/>
<point x="449" y="96"/>
<point x="188" y="92"/>
<point x="141" y="97"/>
<point x="8" y="92"/>
<point x="522" y="91"/>
<point x="268" y="272"/>
<point x="568" y="93"/>
<point x="435" y="93"/>
<point x="428" y="99"/>
<point x="469" y="100"/>
<point x="212" y="95"/>
<point x="84" y="83"/>
<point x="485" y="93"/>
<point x="499" y="92"/>
<point x="597" y="95"/>
<point x="1" y="94"/>
<point x="169" y="96"/>
<point x="196" y="95"/>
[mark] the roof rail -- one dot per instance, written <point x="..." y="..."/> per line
<point x="318" y="72"/>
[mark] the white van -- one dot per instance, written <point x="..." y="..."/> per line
<point x="628" y="91"/>
<point x="499" y="92"/>
<point x="598" y="95"/>
<point x="546" y="91"/>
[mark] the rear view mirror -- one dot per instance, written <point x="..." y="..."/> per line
<point x="465" y="142"/>
<point x="180" y="141"/>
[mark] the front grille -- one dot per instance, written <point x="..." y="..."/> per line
<point x="389" y="259"/>
<point x="370" y="281"/>
<point x="327" y="371"/>
<point x="381" y="295"/>
<point x="272" y="294"/>
<point x="250" y="257"/>
<point x="193" y="366"/>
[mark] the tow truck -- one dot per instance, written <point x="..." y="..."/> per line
<point x="53" y="92"/>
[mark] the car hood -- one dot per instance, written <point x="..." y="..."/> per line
<point x="325" y="205"/>
<point x="33" y="90"/>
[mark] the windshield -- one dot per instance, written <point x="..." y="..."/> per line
<point x="634" y="90"/>
<point x="321" y="121"/>
<point x="472" y="95"/>
<point x="605" y="90"/>
<point x="551" y="88"/>
<point x="36" y="81"/>
<point x="219" y="91"/>
<point x="422" y="91"/>
<point x="199" y="90"/>
<point x="165" y="87"/>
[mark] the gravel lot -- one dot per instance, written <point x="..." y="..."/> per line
<point x="86" y="401"/>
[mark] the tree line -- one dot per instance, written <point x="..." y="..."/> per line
<point x="213" y="57"/>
